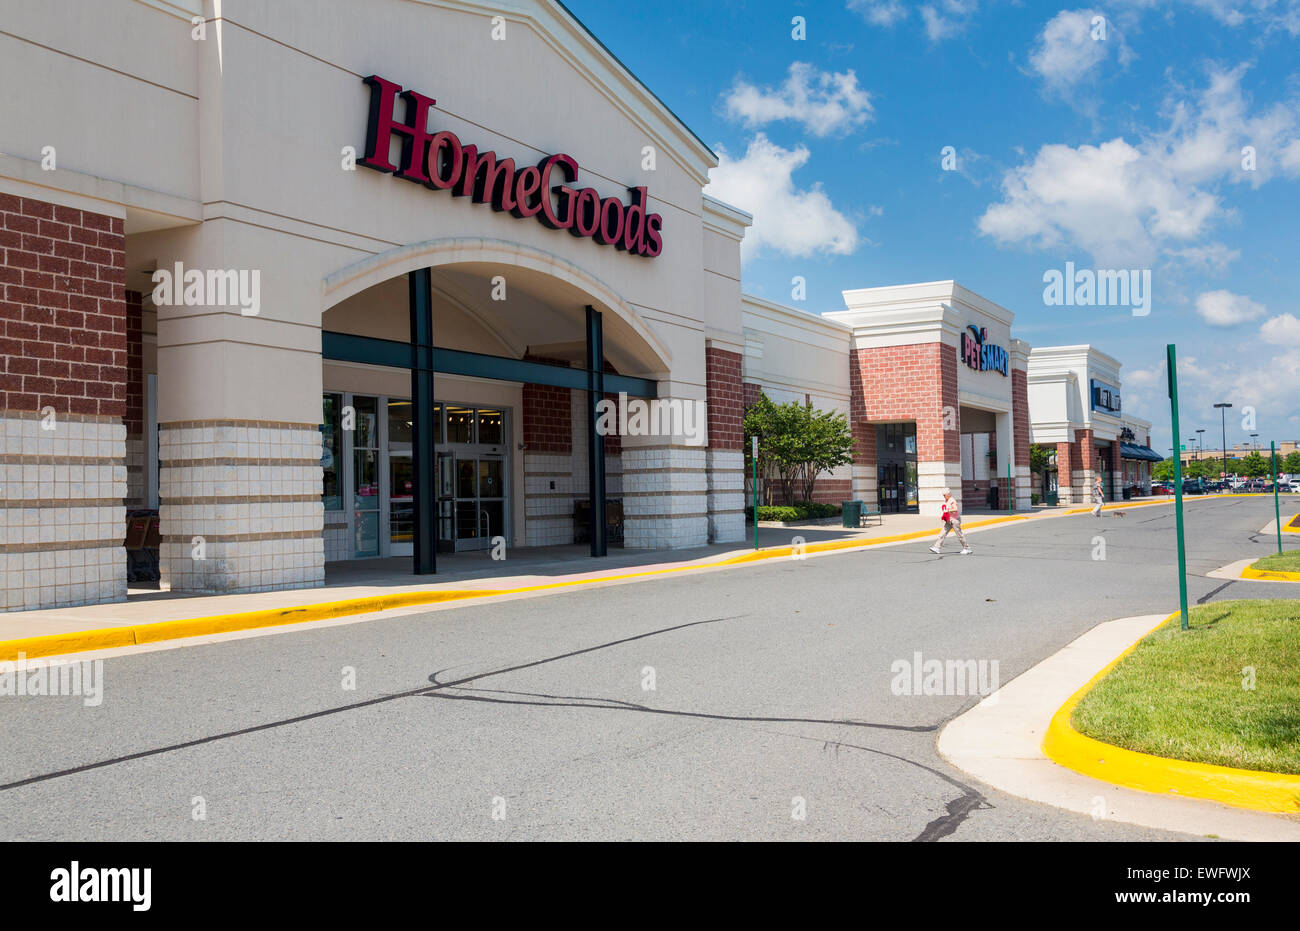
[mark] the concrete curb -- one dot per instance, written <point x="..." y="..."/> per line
<point x="1242" y="788"/>
<point x="153" y="632"/>
<point x="1000" y="742"/>
<point x="1240" y="570"/>
<point x="137" y="634"/>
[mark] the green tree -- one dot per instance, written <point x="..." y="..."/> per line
<point x="1040" y="457"/>
<point x="1255" y="465"/>
<point x="797" y="442"/>
<point x="1291" y="464"/>
<point x="1163" y="471"/>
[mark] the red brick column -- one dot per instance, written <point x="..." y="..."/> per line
<point x="62" y="399"/>
<point x="1065" y="465"/>
<point x="550" y="462"/>
<point x="916" y="383"/>
<point x="1020" y="428"/>
<point x="1116" y="489"/>
<point x="1085" y="465"/>
<point x="725" y="458"/>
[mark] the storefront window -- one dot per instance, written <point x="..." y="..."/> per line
<point x="331" y="451"/>
<point x="460" y="425"/>
<point x="491" y="427"/>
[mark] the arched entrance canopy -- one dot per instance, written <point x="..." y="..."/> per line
<point x="420" y="356"/>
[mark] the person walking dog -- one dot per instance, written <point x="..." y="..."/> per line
<point x="1098" y="497"/>
<point x="950" y="512"/>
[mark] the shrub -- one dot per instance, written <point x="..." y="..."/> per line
<point x="804" y="510"/>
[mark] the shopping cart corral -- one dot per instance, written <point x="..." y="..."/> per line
<point x="142" y="539"/>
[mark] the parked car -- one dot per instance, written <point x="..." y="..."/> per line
<point x="1161" y="488"/>
<point x="1193" y="486"/>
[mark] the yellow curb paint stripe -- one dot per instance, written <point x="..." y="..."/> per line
<point x="131" y="635"/>
<point x="111" y="637"/>
<point x="1241" y="788"/>
<point x="1293" y="525"/>
<point x="1271" y="575"/>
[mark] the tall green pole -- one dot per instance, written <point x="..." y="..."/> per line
<point x="753" y="456"/>
<point x="1277" y="511"/>
<point x="1172" y="366"/>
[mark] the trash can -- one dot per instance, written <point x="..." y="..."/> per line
<point x="851" y="513"/>
<point x="1128" y="493"/>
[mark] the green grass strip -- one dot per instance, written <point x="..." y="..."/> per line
<point x="1225" y="692"/>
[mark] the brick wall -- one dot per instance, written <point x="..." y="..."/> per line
<point x="63" y="309"/>
<point x="725" y="398"/>
<point x="901" y="383"/>
<point x="547" y="415"/>
<point x="1020" y="415"/>
<point x="750" y="393"/>
<point x="1085" y="452"/>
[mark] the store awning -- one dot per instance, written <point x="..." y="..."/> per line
<point x="1134" y="451"/>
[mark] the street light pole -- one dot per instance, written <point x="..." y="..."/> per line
<point x="1223" y="423"/>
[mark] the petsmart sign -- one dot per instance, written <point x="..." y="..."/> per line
<point x="980" y="355"/>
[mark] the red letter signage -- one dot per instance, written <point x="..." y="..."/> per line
<point x="441" y="162"/>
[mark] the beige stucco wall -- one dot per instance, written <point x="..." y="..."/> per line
<point x="246" y="129"/>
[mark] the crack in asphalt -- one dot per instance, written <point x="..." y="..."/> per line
<point x="353" y="706"/>
<point x="614" y="704"/>
<point x="970" y="800"/>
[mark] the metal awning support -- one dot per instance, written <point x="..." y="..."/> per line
<point x="423" y="431"/>
<point x="595" y="441"/>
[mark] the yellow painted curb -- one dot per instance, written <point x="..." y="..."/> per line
<point x="135" y="634"/>
<point x="1271" y="575"/>
<point x="132" y="635"/>
<point x="1292" y="526"/>
<point x="1241" y="788"/>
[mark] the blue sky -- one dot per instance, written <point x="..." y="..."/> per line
<point x="1110" y="136"/>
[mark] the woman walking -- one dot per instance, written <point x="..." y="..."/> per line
<point x="950" y="513"/>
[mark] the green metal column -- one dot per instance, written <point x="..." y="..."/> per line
<point x="1172" y="366"/>
<point x="595" y="442"/>
<point x="1277" y="508"/>
<point x="423" y="497"/>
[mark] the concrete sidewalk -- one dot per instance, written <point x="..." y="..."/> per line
<point x="1000" y="742"/>
<point x="370" y="587"/>
<point x="523" y="567"/>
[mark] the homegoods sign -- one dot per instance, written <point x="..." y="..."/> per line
<point x="439" y="160"/>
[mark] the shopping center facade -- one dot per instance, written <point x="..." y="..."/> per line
<point x="324" y="281"/>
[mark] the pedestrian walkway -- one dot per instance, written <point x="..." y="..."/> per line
<point x="368" y="586"/>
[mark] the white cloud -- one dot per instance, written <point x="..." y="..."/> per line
<point x="880" y="12"/>
<point x="787" y="220"/>
<point x="945" y="19"/>
<point x="823" y="102"/>
<point x="1205" y="141"/>
<point x="1066" y="53"/>
<point x="1106" y="199"/>
<point x="1284" y="330"/>
<point x="1224" y="309"/>
<point x="1126" y="203"/>
<point x="1213" y="257"/>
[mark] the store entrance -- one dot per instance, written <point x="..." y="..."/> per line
<point x="378" y="474"/>
<point x="896" y="473"/>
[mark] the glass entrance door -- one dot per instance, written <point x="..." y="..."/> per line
<point x="401" y="480"/>
<point x="365" y="478"/>
<point x="480" y="499"/>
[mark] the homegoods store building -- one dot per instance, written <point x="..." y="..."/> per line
<point x="327" y="280"/>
